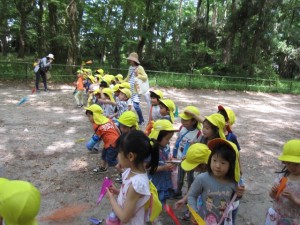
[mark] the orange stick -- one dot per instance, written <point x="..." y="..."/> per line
<point x="281" y="187"/>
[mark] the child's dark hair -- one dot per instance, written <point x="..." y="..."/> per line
<point x="162" y="134"/>
<point x="215" y="130"/>
<point x="153" y="95"/>
<point x="163" y="105"/>
<point x="138" y="143"/>
<point x="103" y="84"/>
<point x="88" y="112"/>
<point x="228" y="155"/>
<point x="106" y="95"/>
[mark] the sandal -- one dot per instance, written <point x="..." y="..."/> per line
<point x="100" y="170"/>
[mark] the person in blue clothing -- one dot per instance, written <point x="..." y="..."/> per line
<point x="41" y="69"/>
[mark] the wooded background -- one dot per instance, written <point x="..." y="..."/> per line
<point x="247" y="38"/>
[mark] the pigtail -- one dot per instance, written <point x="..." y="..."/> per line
<point x="284" y="171"/>
<point x="154" y="156"/>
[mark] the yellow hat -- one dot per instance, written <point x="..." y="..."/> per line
<point x="170" y="105"/>
<point x="106" y="79"/>
<point x="160" y="125"/>
<point x="109" y="92"/>
<point x="129" y="119"/>
<point x="291" y="151"/>
<point x="92" y="78"/>
<point x="127" y="92"/>
<point x="97" y="114"/>
<point x="125" y="85"/>
<point x="218" y="142"/>
<point x="116" y="87"/>
<point x="100" y="71"/>
<point x="217" y="120"/>
<point x="195" y="111"/>
<point x="158" y="93"/>
<point x="230" y="114"/>
<point x="97" y="91"/>
<point x="99" y="76"/>
<point x="196" y="154"/>
<point x="119" y="77"/>
<point x="19" y="202"/>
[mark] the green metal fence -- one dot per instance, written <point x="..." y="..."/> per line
<point x="23" y="71"/>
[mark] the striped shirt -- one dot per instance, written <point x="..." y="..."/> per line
<point x="135" y="97"/>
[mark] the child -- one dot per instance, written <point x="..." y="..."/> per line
<point x="128" y="121"/>
<point x="217" y="186"/>
<point x="162" y="132"/>
<point x="119" y="78"/>
<point x="133" y="148"/>
<point x="189" y="132"/>
<point x="196" y="160"/>
<point x="166" y="109"/>
<point x="229" y="117"/>
<point x="79" y="89"/>
<point x="286" y="206"/>
<point x="108" y="102"/>
<point x="213" y="127"/>
<point x="108" y="132"/>
<point x="19" y="202"/>
<point x="155" y="96"/>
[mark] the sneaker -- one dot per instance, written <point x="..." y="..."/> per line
<point x="94" y="151"/>
<point x="100" y="170"/>
<point x="142" y="123"/>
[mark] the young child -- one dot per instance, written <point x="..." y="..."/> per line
<point x="217" y="186"/>
<point x="162" y="132"/>
<point x="79" y="89"/>
<point x="108" y="102"/>
<point x="108" y="132"/>
<point x="286" y="204"/>
<point x="189" y="132"/>
<point x="196" y="160"/>
<point x="19" y="202"/>
<point x="119" y="78"/>
<point x="133" y="148"/>
<point x="166" y="109"/>
<point x="128" y="121"/>
<point x="213" y="127"/>
<point x="155" y="96"/>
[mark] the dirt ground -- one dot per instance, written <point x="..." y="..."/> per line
<point x="39" y="143"/>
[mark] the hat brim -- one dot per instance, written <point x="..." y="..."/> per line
<point x="185" y="116"/>
<point x="289" y="158"/>
<point x="188" y="166"/>
<point x="133" y="59"/>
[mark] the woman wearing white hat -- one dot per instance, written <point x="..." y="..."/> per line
<point x="41" y="69"/>
<point x="136" y="71"/>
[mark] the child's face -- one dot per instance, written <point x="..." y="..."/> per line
<point x="90" y="117"/>
<point x="219" y="166"/>
<point x="188" y="124"/>
<point x="207" y="130"/>
<point x="166" y="139"/>
<point x="154" y="101"/>
<point x="123" y="160"/>
<point x="79" y="74"/>
<point x="125" y="129"/>
<point x="117" y="93"/>
<point x="163" y="110"/>
<point x="122" y="97"/>
<point x="293" y="168"/>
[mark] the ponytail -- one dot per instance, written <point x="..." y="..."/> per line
<point x="154" y="156"/>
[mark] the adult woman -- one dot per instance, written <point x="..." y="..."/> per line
<point x="136" y="71"/>
<point x="41" y="69"/>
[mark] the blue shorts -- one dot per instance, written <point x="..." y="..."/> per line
<point x="109" y="155"/>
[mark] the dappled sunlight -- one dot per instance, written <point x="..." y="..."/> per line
<point x="77" y="164"/>
<point x="71" y="130"/>
<point x="77" y="118"/>
<point x="7" y="156"/>
<point x="58" y="146"/>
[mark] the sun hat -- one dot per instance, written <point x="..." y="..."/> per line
<point x="158" y="93"/>
<point x="129" y="119"/>
<point x="214" y="143"/>
<point x="196" y="154"/>
<point x="160" y="125"/>
<point x="106" y="79"/>
<point x="98" y="116"/>
<point x="170" y="105"/>
<point x="125" y="85"/>
<point x="92" y="78"/>
<point x="116" y="87"/>
<point x="217" y="120"/>
<point x="97" y="91"/>
<point x="134" y="57"/>
<point x="291" y="151"/>
<point x="195" y="111"/>
<point x="51" y="56"/>
<point x="19" y="202"/>
<point x="127" y="92"/>
<point x="119" y="77"/>
<point x="100" y="71"/>
<point x="109" y="92"/>
<point x="230" y="115"/>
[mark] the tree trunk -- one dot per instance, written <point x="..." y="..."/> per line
<point x="40" y="29"/>
<point x="71" y="11"/>
<point x="3" y="28"/>
<point x="53" y="32"/>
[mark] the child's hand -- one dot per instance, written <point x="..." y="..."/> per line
<point x="169" y="166"/>
<point x="179" y="204"/>
<point x="240" y="191"/>
<point x="291" y="197"/>
<point x="274" y="189"/>
<point x="114" y="190"/>
<point x="109" y="194"/>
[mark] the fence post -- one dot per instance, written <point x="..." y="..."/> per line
<point x="190" y="77"/>
<point x="291" y="86"/>
<point x="26" y="75"/>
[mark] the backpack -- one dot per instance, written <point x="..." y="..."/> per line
<point x="153" y="206"/>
